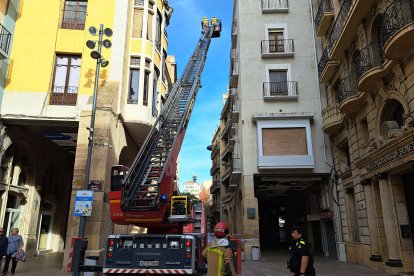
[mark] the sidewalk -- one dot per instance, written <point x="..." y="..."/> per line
<point x="271" y="264"/>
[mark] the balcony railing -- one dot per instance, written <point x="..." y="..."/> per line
<point x="399" y="14"/>
<point x="64" y="95"/>
<point x="74" y="16"/>
<point x="279" y="46"/>
<point x="324" y="7"/>
<point x="278" y="89"/>
<point x="369" y="57"/>
<point x="214" y="168"/>
<point x="323" y="61"/>
<point x="216" y="186"/>
<point x="347" y="88"/>
<point x="154" y="112"/>
<point x="5" y="37"/>
<point x="274" y="5"/>
<point x="331" y="118"/>
<point x="340" y="21"/>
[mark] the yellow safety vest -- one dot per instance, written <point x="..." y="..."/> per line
<point x="215" y="255"/>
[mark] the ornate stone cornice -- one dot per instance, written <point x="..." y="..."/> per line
<point x="387" y="156"/>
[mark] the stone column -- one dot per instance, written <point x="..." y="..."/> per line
<point x="372" y="223"/>
<point x="394" y="258"/>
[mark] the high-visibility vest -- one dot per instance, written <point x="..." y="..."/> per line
<point x="215" y="256"/>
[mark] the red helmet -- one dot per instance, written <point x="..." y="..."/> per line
<point x="221" y="230"/>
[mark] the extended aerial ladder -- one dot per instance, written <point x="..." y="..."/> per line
<point x="143" y="196"/>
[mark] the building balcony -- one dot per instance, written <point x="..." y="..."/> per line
<point x="280" y="90"/>
<point x="235" y="173"/>
<point x="215" y="187"/>
<point x="227" y="198"/>
<point x="398" y="30"/>
<point x="229" y="128"/>
<point x="332" y="119"/>
<point x="215" y="150"/>
<point x="214" y="168"/>
<point x="5" y="37"/>
<point x="347" y="21"/>
<point x="228" y="149"/>
<point x="235" y="110"/>
<point x="326" y="67"/>
<point x="324" y="17"/>
<point x="234" y="31"/>
<point x="278" y="48"/>
<point x="275" y="6"/>
<point x="234" y="74"/>
<point x="371" y="66"/>
<point x="347" y="94"/>
<point x="63" y="95"/>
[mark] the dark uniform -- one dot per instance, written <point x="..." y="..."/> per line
<point x="298" y="249"/>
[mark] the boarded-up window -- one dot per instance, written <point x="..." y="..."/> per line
<point x="137" y="26"/>
<point x="149" y="33"/>
<point x="284" y="141"/>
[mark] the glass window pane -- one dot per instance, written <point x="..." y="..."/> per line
<point x="146" y="83"/>
<point x="74" y="74"/>
<point x="133" y="86"/>
<point x="61" y="70"/>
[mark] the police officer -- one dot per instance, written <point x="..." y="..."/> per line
<point x="219" y="254"/>
<point x="301" y="260"/>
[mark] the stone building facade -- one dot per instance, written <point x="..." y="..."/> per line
<point x="274" y="164"/>
<point x="366" y="64"/>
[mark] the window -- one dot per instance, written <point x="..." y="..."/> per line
<point x="133" y="86"/>
<point x="353" y="232"/>
<point x="137" y="24"/>
<point x="276" y="41"/>
<point x="284" y="143"/>
<point x="66" y="80"/>
<point x="158" y="31"/>
<point x="164" y="65"/>
<point x="149" y="27"/>
<point x="278" y="83"/>
<point x="146" y="84"/>
<point x="155" y="94"/>
<point x="74" y="15"/>
<point x="139" y="3"/>
<point x="345" y="157"/>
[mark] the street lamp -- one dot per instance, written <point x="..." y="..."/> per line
<point x="100" y="61"/>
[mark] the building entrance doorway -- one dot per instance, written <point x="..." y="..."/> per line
<point x="44" y="236"/>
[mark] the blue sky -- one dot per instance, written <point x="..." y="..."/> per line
<point x="184" y="32"/>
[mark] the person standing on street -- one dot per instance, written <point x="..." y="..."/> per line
<point x="219" y="254"/>
<point x="15" y="243"/>
<point x="301" y="259"/>
<point x="3" y="245"/>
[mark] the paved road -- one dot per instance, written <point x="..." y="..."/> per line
<point x="271" y="264"/>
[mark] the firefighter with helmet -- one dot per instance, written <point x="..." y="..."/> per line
<point x="214" y="21"/>
<point x="219" y="254"/>
<point x="204" y="24"/>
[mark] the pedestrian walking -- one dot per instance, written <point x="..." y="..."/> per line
<point x="301" y="259"/>
<point x="219" y="254"/>
<point x="15" y="244"/>
<point x="3" y="245"/>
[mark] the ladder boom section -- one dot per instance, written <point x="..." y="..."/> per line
<point x="142" y="187"/>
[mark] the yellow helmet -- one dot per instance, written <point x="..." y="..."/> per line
<point x="204" y="17"/>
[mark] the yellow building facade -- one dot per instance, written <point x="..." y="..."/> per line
<point x="46" y="110"/>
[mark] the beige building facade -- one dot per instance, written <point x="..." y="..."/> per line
<point x="366" y="65"/>
<point x="273" y="164"/>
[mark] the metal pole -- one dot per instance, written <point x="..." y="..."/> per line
<point x="82" y="222"/>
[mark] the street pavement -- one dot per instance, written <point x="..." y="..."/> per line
<point x="270" y="264"/>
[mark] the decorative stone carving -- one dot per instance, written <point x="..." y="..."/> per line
<point x="408" y="122"/>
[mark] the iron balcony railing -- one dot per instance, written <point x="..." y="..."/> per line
<point x="275" y="4"/>
<point x="64" y="95"/>
<point x="74" y="16"/>
<point x="324" y="60"/>
<point x="369" y="57"/>
<point x="154" y="112"/>
<point x="330" y="111"/>
<point x="216" y="186"/>
<point x="396" y="16"/>
<point x="346" y="88"/>
<point x="5" y="37"/>
<point x="324" y="7"/>
<point x="277" y="46"/>
<point x="282" y="88"/>
<point x="340" y="21"/>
